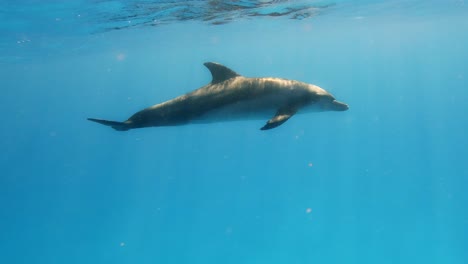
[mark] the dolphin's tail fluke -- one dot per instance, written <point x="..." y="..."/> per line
<point x="119" y="126"/>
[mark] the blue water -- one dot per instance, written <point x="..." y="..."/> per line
<point x="384" y="182"/>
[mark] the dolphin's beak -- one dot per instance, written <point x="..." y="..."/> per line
<point x="339" y="106"/>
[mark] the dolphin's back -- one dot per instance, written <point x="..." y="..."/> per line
<point x="233" y="99"/>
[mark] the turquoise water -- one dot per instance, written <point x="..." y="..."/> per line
<point x="384" y="182"/>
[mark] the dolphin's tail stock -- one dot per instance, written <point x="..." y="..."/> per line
<point x="119" y="126"/>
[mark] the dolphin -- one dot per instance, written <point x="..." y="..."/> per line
<point x="230" y="96"/>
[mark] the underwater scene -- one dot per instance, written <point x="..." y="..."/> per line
<point x="274" y="131"/>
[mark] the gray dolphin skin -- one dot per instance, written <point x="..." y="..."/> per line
<point x="230" y="96"/>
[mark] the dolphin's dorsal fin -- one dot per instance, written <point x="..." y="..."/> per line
<point x="220" y="73"/>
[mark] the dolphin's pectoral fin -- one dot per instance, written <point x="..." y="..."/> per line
<point x="220" y="73"/>
<point x="281" y="116"/>
<point x="276" y="121"/>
